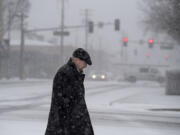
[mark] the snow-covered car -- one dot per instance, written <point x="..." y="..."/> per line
<point x="145" y="73"/>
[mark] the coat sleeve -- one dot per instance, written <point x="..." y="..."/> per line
<point x="62" y="97"/>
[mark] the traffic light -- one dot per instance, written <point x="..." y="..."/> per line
<point x="147" y="54"/>
<point x="151" y="43"/>
<point x="117" y="24"/>
<point x="90" y="26"/>
<point x="125" y="41"/>
<point x="166" y="56"/>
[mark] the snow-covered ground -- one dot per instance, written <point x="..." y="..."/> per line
<point x="115" y="107"/>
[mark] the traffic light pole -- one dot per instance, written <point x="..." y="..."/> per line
<point x="63" y="27"/>
<point x="62" y="36"/>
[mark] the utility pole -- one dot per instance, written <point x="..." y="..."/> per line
<point x="21" y="68"/>
<point x="62" y="35"/>
<point x="1" y="34"/>
<point x="1" y="20"/>
<point x="9" y="40"/>
<point x="86" y="28"/>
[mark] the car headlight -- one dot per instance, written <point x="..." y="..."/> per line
<point x="103" y="76"/>
<point x="93" y="76"/>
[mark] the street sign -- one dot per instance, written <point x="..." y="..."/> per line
<point x="60" y="33"/>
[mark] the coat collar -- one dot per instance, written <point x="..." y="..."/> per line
<point x="80" y="75"/>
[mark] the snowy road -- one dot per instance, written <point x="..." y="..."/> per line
<point x="24" y="107"/>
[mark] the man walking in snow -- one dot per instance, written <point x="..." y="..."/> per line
<point x="68" y="113"/>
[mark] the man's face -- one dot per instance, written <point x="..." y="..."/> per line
<point x="80" y="64"/>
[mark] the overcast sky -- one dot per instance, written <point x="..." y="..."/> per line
<point x="46" y="13"/>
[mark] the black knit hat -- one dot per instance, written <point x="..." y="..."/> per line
<point x="82" y="55"/>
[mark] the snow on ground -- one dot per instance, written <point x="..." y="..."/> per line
<point x="24" y="107"/>
<point x="141" y="97"/>
<point x="34" y="127"/>
<point x="37" y="128"/>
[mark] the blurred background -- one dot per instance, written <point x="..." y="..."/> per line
<point x="37" y="37"/>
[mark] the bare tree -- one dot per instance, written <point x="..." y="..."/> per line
<point x="11" y="12"/>
<point x="11" y="9"/>
<point x="162" y="15"/>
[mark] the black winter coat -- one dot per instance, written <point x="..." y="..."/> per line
<point x="68" y="113"/>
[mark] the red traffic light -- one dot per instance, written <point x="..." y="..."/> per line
<point x="166" y="56"/>
<point x="147" y="54"/>
<point x="151" y="41"/>
<point x="125" y="39"/>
